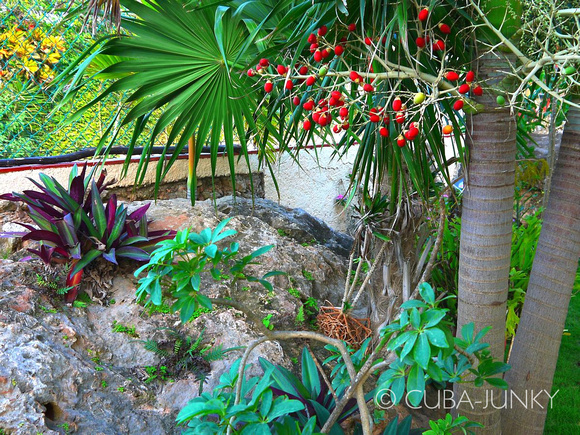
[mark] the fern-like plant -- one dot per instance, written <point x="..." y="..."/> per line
<point x="182" y="353"/>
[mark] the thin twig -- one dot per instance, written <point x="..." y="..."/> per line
<point x="370" y="274"/>
<point x="283" y="335"/>
<point x="427" y="273"/>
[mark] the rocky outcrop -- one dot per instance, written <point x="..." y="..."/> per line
<point x="65" y="368"/>
<point x="291" y="222"/>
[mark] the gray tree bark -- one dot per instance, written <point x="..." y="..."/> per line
<point x="537" y="341"/>
<point x="486" y="234"/>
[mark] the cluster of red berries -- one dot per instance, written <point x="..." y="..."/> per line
<point x="438" y="44"/>
<point x="465" y="88"/>
<point x="332" y="110"/>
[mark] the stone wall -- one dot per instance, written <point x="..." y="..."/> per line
<point x="206" y="187"/>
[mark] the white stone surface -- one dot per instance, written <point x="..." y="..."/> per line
<point x="312" y="187"/>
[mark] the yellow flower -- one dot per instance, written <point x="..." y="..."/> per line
<point x="38" y="34"/>
<point x="30" y="65"/>
<point x="53" y="57"/>
<point x="46" y="74"/>
<point x="24" y="49"/>
<point x="52" y="43"/>
<point x="6" y="53"/>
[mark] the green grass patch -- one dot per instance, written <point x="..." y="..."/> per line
<point x="564" y="417"/>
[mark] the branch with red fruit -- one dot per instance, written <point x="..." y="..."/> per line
<point x="329" y="90"/>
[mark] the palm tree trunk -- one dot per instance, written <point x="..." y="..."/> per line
<point x="537" y="341"/>
<point x="486" y="234"/>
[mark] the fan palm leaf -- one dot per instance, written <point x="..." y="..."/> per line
<point x="185" y="64"/>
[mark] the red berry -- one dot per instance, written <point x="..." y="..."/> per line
<point x="400" y="117"/>
<point x="458" y="105"/>
<point x="313" y="47"/>
<point x="401" y="141"/>
<point x="281" y="69"/>
<point x="478" y="91"/>
<point x="310" y="80"/>
<point x="343" y="112"/>
<point x="439" y="45"/>
<point x="452" y="76"/>
<point x="324" y="119"/>
<point x="412" y="133"/>
<point x="323" y="103"/>
<point x="352" y="27"/>
<point x="444" y="28"/>
<point x="268" y="87"/>
<point x="296" y="101"/>
<point x="338" y="50"/>
<point x="326" y="53"/>
<point x="289" y="85"/>
<point x="264" y="62"/>
<point x="309" y="105"/>
<point x="397" y="104"/>
<point x="386" y="119"/>
<point x="336" y="94"/>
<point x="312" y="39"/>
<point x="332" y="101"/>
<point x="368" y="87"/>
<point x="303" y="70"/>
<point x="384" y="132"/>
<point x="322" y="31"/>
<point x="420" y="42"/>
<point x="316" y="117"/>
<point x="464" y="88"/>
<point x="307" y="125"/>
<point x="318" y="55"/>
<point x="368" y="41"/>
<point x="251" y="72"/>
<point x="355" y="77"/>
<point x="345" y="126"/>
<point x="375" y="118"/>
<point x="470" y="76"/>
<point x="423" y="14"/>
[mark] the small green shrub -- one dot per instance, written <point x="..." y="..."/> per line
<point x="197" y="254"/>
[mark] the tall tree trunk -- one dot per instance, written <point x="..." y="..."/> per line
<point x="537" y="341"/>
<point x="486" y="233"/>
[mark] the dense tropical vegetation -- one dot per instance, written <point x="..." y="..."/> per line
<point x="414" y="88"/>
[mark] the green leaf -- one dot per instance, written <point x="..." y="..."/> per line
<point x="427" y="293"/>
<point x="266" y="402"/>
<point x="261" y="251"/>
<point x="432" y="317"/>
<point x="409" y="344"/>
<point x="284" y="407"/>
<point x="415" y="385"/>
<point x="415" y="318"/>
<point x="85" y="261"/>
<point x="204" y="301"/>
<point x="422" y="351"/>
<point x="436" y="337"/>
<point x="413" y="303"/>
<point x="310" y="376"/>
<point x="211" y="250"/>
<point x="98" y="211"/>
<point x="497" y="382"/>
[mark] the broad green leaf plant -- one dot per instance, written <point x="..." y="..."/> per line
<point x="178" y="266"/>
<point x="421" y="349"/>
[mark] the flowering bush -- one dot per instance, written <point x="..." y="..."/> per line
<point x="28" y="51"/>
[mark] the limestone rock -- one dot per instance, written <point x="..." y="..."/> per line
<point x="66" y="366"/>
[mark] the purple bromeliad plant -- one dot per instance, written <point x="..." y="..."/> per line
<point x="75" y="227"/>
